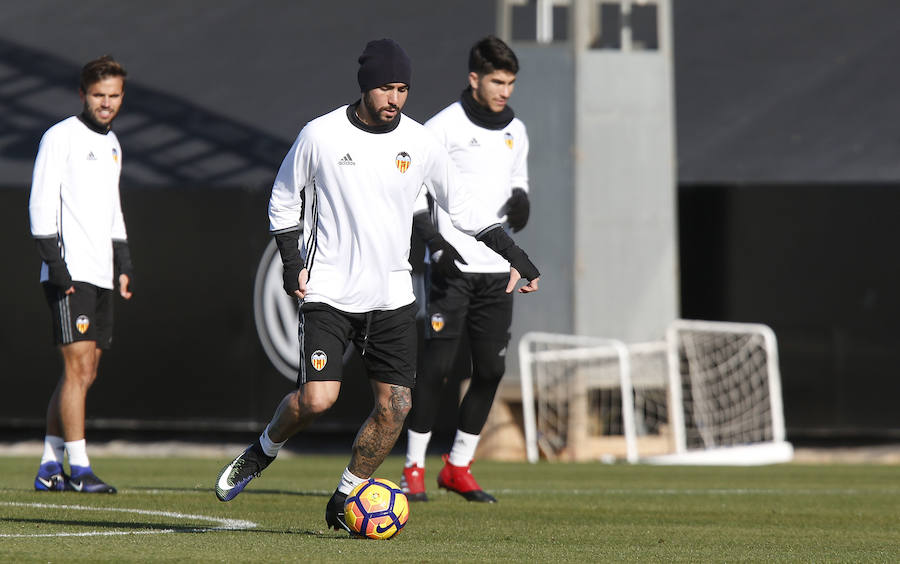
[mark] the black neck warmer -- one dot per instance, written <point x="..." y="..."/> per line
<point x="93" y="125"/>
<point x="483" y="117"/>
<point x="354" y="119"/>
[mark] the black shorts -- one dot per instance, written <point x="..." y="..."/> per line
<point x="86" y="315"/>
<point x="386" y="340"/>
<point x="477" y="302"/>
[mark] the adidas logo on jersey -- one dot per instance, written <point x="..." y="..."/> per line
<point x="474" y="143"/>
<point x="347" y="160"/>
<point x="91" y="156"/>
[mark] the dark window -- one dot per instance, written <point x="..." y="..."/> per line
<point x="644" y="32"/>
<point x="610" y="26"/>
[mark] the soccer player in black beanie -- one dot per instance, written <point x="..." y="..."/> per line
<point x="383" y="61"/>
<point x="341" y="213"/>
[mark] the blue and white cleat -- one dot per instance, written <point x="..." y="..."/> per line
<point x="84" y="480"/>
<point x="50" y="478"/>
<point x="235" y="476"/>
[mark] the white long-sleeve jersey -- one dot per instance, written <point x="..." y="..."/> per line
<point x="359" y="189"/>
<point x="75" y="198"/>
<point x="492" y="162"/>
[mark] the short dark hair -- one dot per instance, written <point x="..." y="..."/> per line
<point x="100" y="69"/>
<point x="492" y="54"/>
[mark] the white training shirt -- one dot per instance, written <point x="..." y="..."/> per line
<point x="75" y="197"/>
<point x="492" y="162"/>
<point x="360" y="190"/>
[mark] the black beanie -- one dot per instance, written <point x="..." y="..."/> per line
<point x="383" y="61"/>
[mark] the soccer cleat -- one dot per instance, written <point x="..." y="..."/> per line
<point x="84" y="480"/>
<point x="413" y="483"/>
<point x="50" y="478"/>
<point x="459" y="479"/>
<point x="334" y="512"/>
<point x="235" y="476"/>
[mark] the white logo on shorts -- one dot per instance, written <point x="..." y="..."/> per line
<point x="277" y="315"/>
<point x="318" y="359"/>
<point x="82" y="323"/>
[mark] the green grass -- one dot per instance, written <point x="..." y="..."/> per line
<point x="547" y="512"/>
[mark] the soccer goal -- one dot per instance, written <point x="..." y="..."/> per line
<point x="709" y="394"/>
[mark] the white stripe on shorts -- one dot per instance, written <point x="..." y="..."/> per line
<point x="65" y="319"/>
<point x="302" y="374"/>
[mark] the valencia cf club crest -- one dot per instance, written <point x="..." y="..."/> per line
<point x="437" y="322"/>
<point x="115" y="155"/>
<point x="82" y="323"/>
<point x="403" y="161"/>
<point x="318" y="360"/>
<point x="508" y="139"/>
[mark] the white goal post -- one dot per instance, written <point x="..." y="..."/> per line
<point x="709" y="394"/>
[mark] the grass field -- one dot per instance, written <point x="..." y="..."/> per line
<point x="166" y="510"/>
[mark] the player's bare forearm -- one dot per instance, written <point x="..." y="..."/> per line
<point x="380" y="431"/>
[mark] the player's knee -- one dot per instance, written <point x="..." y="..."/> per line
<point x="322" y="405"/>
<point x="400" y="412"/>
<point x="490" y="364"/>
<point x="401" y="403"/>
<point x="495" y="369"/>
<point x="316" y="403"/>
<point x="396" y="407"/>
<point x="81" y="374"/>
<point x="441" y="355"/>
<point x="317" y="406"/>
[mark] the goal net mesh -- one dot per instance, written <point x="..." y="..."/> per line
<point x="708" y="386"/>
<point x="724" y="388"/>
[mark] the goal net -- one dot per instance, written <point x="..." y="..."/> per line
<point x="709" y="394"/>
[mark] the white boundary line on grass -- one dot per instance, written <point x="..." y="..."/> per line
<point x="223" y="524"/>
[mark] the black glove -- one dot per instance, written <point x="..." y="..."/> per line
<point x="48" y="249"/>
<point x="501" y="243"/>
<point x="122" y="263"/>
<point x="289" y="248"/>
<point x="444" y="257"/>
<point x="517" y="209"/>
<point x="291" y="280"/>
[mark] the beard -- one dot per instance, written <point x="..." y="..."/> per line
<point x="94" y="117"/>
<point x="375" y="113"/>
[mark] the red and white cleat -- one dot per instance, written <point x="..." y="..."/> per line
<point x="413" y="483"/>
<point x="459" y="479"/>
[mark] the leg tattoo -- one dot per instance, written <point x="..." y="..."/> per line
<point x="380" y="431"/>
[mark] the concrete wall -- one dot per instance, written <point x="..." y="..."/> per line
<point x="625" y="234"/>
<point x="544" y="100"/>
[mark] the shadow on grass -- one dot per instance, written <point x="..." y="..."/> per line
<point x="94" y="523"/>
<point x="255" y="491"/>
<point x="132" y="526"/>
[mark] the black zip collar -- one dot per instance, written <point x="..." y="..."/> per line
<point x="92" y="125"/>
<point x="354" y="119"/>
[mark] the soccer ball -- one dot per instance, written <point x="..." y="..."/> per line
<point x="376" y="509"/>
